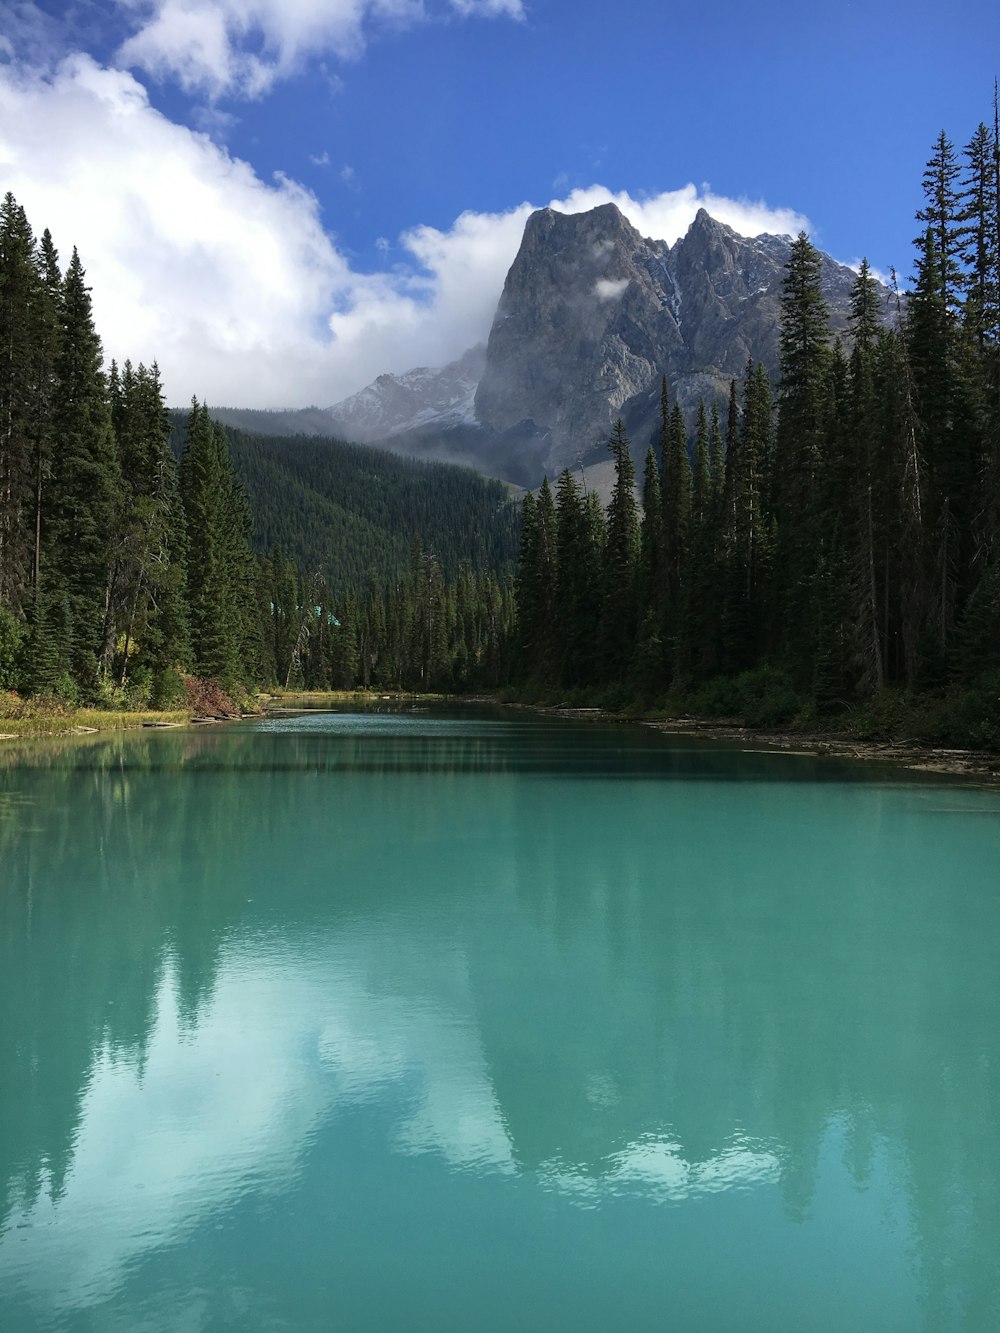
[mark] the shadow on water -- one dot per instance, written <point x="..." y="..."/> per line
<point x="674" y="976"/>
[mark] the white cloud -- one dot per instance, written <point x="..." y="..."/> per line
<point x="609" y="289"/>
<point x="489" y="8"/>
<point x="231" y="282"/>
<point x="667" y="216"/>
<point x="320" y="159"/>
<point x="242" y="47"/>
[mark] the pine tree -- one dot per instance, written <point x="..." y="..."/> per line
<point x="148" y="611"/>
<point x="941" y="214"/>
<point x="651" y="579"/>
<point x="870" y="487"/>
<point x="977" y="234"/>
<point x="85" y="494"/>
<point x="536" y="588"/>
<point x="45" y="337"/>
<point x="19" y="298"/>
<point x="676" y="490"/>
<point x="621" y="559"/>
<point x="703" y="593"/>
<point x="578" y="576"/>
<point x="803" y="413"/>
<point x="221" y="572"/>
<point x="748" y="535"/>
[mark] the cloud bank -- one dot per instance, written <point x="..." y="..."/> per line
<point x="240" y="48"/>
<point x="234" y="284"/>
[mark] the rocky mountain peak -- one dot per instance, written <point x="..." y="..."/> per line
<point x="591" y="315"/>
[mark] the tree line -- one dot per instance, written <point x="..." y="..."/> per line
<point x="836" y="536"/>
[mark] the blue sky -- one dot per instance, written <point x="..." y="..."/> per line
<point x="279" y="199"/>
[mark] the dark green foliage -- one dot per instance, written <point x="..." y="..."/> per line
<point x="619" y="620"/>
<point x="84" y="497"/>
<point x="12" y="634"/>
<point x="941" y="190"/>
<point x="845" y="548"/>
<point x="220" y="575"/>
<point x="536" y="587"/>
<point x="351" y="511"/>
<point x="578" y="577"/>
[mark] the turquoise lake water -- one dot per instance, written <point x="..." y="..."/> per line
<point x="485" y="1021"/>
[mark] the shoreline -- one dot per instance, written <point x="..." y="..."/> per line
<point x="979" y="765"/>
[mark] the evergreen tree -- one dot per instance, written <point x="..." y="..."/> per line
<point x="941" y="214"/>
<point x="676" y="489"/>
<point x="651" y="580"/>
<point x="85" y="494"/>
<point x="536" y="588"/>
<point x="870" y="487"/>
<point x="621" y="559"/>
<point x="19" y="296"/>
<point x="221" y="575"/>
<point x="978" y="235"/>
<point x="703" y="590"/>
<point x="803" y="414"/>
<point x="748" y="536"/>
<point x="578" y="576"/>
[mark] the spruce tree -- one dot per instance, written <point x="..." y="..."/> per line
<point x="19" y="297"/>
<point x="85" y="494"/>
<point x="621" y="559"/>
<point x="941" y="214"/>
<point x="221" y="572"/>
<point x="676" y="490"/>
<point x="803" y="413"/>
<point x="578" y="575"/>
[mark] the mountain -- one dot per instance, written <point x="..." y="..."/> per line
<point x="400" y="404"/>
<point x="591" y="316"/>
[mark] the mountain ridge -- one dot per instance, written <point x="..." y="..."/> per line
<point x="592" y="314"/>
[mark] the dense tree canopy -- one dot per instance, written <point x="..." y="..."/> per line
<point x="845" y="538"/>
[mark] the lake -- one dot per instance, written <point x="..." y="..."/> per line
<point x="471" y="1020"/>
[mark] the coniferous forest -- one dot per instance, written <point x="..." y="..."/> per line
<point x="127" y="566"/>
<point x="823" y="544"/>
<point x="829" y="540"/>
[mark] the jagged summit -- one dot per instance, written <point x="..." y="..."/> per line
<point x="395" y="404"/>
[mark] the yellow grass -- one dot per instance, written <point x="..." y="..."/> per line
<point x="43" y="721"/>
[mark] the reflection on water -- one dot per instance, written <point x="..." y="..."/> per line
<point x="451" y="1021"/>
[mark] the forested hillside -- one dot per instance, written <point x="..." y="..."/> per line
<point x="837" y="538"/>
<point x="354" y="512"/>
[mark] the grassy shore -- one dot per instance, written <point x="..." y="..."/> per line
<point x="46" y="720"/>
<point x="21" y="718"/>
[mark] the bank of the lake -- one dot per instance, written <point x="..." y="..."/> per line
<point x="956" y="761"/>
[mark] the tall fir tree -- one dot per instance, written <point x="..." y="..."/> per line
<point x="619" y="613"/>
<point x="85" y="495"/>
<point x="803" y="412"/>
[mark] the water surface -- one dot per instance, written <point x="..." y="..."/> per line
<point x="451" y="1022"/>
